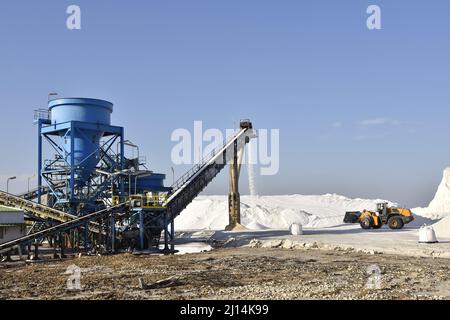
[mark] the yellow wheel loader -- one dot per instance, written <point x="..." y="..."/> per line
<point x="395" y="218"/>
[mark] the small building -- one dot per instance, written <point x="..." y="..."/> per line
<point x="12" y="224"/>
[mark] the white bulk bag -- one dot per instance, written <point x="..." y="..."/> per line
<point x="296" y="229"/>
<point x="427" y="234"/>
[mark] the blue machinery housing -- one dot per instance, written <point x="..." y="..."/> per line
<point x="92" y="195"/>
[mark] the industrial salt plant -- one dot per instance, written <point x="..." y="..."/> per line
<point x="90" y="195"/>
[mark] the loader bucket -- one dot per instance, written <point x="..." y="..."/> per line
<point x="352" y="217"/>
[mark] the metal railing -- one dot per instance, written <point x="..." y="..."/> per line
<point x="143" y="201"/>
<point x="142" y="160"/>
<point x="42" y="114"/>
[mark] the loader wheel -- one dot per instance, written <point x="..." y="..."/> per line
<point x="366" y="223"/>
<point x="396" y="223"/>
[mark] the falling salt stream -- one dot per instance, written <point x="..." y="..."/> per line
<point x="251" y="176"/>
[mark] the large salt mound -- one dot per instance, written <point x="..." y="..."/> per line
<point x="442" y="228"/>
<point x="439" y="207"/>
<point x="272" y="212"/>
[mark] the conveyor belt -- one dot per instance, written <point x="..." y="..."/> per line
<point x="188" y="187"/>
<point x="63" y="227"/>
<point x="33" y="208"/>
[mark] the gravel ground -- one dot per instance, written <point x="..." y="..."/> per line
<point x="233" y="273"/>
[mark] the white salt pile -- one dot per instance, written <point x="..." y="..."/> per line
<point x="322" y="211"/>
<point x="439" y="207"/>
<point x="442" y="228"/>
<point x="272" y="212"/>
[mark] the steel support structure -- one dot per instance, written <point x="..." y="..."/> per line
<point x="60" y="173"/>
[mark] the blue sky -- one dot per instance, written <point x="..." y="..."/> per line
<point x="361" y="113"/>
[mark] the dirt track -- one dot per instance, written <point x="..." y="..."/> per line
<point x="235" y="273"/>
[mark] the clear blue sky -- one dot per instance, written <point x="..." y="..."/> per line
<point x="310" y="68"/>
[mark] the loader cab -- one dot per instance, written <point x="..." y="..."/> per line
<point x="382" y="209"/>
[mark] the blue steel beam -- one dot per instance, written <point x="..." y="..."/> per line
<point x="56" y="129"/>
<point x="39" y="160"/>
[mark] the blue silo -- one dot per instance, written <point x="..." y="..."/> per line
<point x="81" y="134"/>
<point x="86" y="142"/>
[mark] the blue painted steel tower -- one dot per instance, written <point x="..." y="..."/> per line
<point x="89" y="152"/>
<point x="88" y="171"/>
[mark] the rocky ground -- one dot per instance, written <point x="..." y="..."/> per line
<point x="233" y="273"/>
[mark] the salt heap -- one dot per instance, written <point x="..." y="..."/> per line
<point x="439" y="207"/>
<point x="272" y="212"/>
<point x="442" y="228"/>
